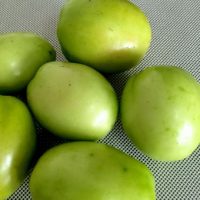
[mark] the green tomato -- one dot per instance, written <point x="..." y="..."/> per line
<point x="88" y="170"/>
<point x="160" y="111"/>
<point x="21" y="54"/>
<point x="111" y="36"/>
<point x="17" y="144"/>
<point x="73" y="101"/>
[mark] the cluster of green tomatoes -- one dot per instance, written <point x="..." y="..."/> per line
<point x="159" y="107"/>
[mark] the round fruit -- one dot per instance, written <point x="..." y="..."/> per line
<point x="73" y="101"/>
<point x="17" y="144"/>
<point x="21" y="54"/>
<point x="161" y="112"/>
<point x="88" y="170"/>
<point x="111" y="36"/>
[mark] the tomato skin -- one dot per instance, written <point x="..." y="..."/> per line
<point x="21" y="54"/>
<point x="160" y="112"/>
<point x="89" y="170"/>
<point x="111" y="36"/>
<point x="73" y="101"/>
<point x="17" y="144"/>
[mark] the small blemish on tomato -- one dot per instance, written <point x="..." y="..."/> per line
<point x="125" y="169"/>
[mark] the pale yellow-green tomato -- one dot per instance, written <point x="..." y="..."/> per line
<point x="73" y="101"/>
<point x="17" y="144"/>
<point x="111" y="36"/>
<point x="90" y="171"/>
<point x="21" y="54"/>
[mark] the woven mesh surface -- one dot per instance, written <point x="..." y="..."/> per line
<point x="176" y="41"/>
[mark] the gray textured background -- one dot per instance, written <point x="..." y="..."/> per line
<point x="176" y="41"/>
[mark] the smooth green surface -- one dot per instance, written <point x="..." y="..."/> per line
<point x="73" y="101"/>
<point x="21" y="54"/>
<point x="110" y="36"/>
<point x="161" y="112"/>
<point x="90" y="171"/>
<point x="17" y="144"/>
